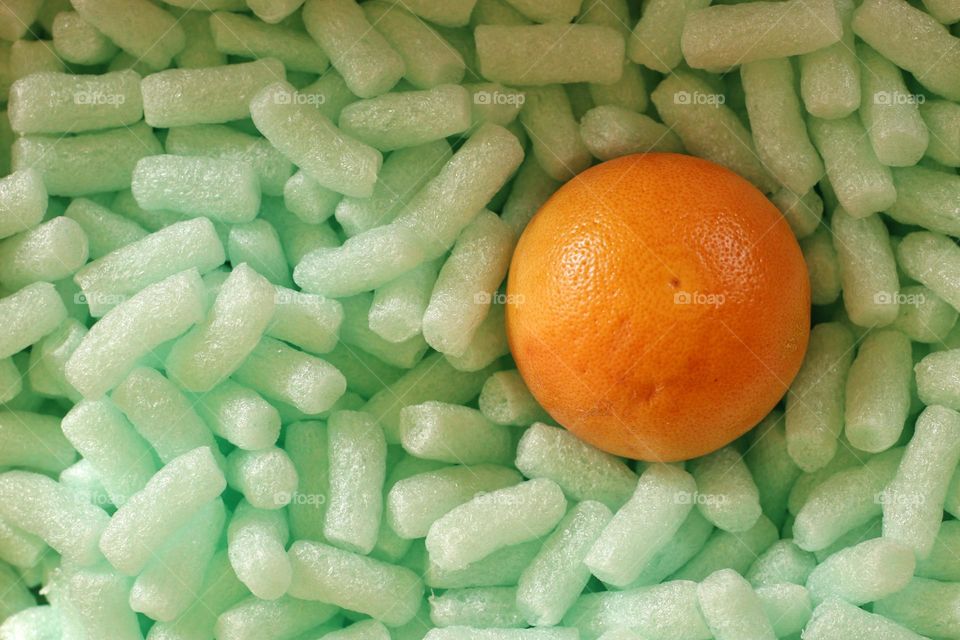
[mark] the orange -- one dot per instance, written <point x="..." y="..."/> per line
<point x="658" y="306"/>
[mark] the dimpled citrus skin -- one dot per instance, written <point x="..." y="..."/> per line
<point x="658" y="306"/>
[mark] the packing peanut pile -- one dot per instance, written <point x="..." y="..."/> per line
<point x="255" y="374"/>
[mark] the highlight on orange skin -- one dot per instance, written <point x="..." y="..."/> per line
<point x="658" y="306"/>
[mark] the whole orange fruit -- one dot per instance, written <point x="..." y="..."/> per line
<point x="658" y="306"/>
